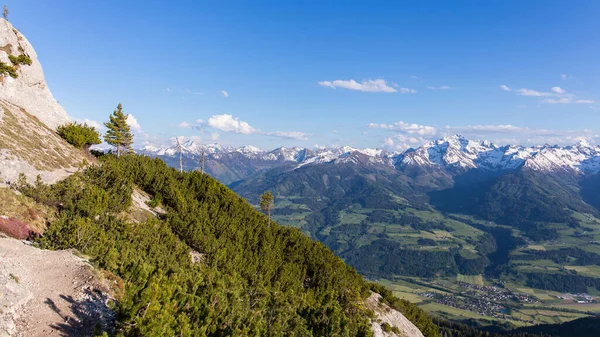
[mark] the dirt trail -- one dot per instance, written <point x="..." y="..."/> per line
<point x="49" y="293"/>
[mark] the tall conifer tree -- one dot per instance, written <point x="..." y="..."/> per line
<point x="266" y="203"/>
<point x="119" y="133"/>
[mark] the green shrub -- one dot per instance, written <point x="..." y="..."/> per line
<point x="5" y="69"/>
<point x="19" y="60"/>
<point x="97" y="153"/>
<point x="386" y="327"/>
<point x="78" y="135"/>
<point x="255" y="278"/>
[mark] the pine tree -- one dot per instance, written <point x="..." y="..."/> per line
<point x="119" y="133"/>
<point x="266" y="203"/>
<point x="5" y="12"/>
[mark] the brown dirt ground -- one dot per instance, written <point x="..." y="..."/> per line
<point x="50" y="293"/>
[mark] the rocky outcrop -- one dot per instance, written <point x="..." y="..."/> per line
<point x="29" y="116"/>
<point x="387" y="318"/>
<point x="29" y="90"/>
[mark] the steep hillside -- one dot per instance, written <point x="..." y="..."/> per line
<point x="248" y="277"/>
<point x="29" y="116"/>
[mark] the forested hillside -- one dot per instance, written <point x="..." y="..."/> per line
<point x="251" y="278"/>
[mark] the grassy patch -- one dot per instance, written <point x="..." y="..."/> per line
<point x="25" y="209"/>
<point x="31" y="140"/>
<point x="472" y="279"/>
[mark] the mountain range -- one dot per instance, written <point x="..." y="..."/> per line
<point x="452" y="206"/>
<point x="455" y="154"/>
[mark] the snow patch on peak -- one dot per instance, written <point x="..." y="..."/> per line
<point x="249" y="149"/>
<point x="459" y="152"/>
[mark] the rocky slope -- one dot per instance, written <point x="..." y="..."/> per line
<point x="48" y="293"/>
<point x="29" y="115"/>
<point x="398" y="325"/>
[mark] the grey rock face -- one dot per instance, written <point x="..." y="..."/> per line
<point x="29" y="91"/>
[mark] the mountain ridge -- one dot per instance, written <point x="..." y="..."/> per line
<point x="455" y="154"/>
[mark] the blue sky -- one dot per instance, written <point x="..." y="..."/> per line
<point x="368" y="74"/>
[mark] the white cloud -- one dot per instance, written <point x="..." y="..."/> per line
<point x="443" y="87"/>
<point x="214" y="136"/>
<point x="557" y="95"/>
<point x="175" y="139"/>
<point x="563" y="100"/>
<point x="407" y="91"/>
<point x="90" y="122"/>
<point x="565" y="77"/>
<point x="402" y="142"/>
<point x="133" y="123"/>
<point x="406" y="127"/>
<point x="224" y="93"/>
<point x="388" y="142"/>
<point x="288" y="134"/>
<point x="378" y="85"/>
<point x="184" y="125"/>
<point x="533" y="93"/>
<point x="229" y="123"/>
<point x="413" y="135"/>
<point x="505" y="88"/>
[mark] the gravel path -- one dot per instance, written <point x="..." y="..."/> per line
<point x="49" y="293"/>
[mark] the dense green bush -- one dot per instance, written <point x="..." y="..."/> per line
<point x="254" y="279"/>
<point x="19" y="60"/>
<point x="9" y="70"/>
<point x="81" y="136"/>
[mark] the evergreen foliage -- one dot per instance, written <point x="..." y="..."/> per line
<point x="253" y="280"/>
<point x="119" y="133"/>
<point x="266" y="203"/>
<point x="81" y="136"/>
<point x="9" y="70"/>
<point x="20" y="60"/>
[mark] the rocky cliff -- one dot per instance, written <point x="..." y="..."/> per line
<point x="29" y="90"/>
<point x="29" y="116"/>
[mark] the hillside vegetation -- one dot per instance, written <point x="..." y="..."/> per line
<point x="251" y="279"/>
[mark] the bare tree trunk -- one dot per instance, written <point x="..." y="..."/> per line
<point x="180" y="155"/>
<point x="202" y="159"/>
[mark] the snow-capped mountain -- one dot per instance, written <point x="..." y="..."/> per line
<point x="459" y="153"/>
<point x="298" y="155"/>
<point x="454" y="154"/>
